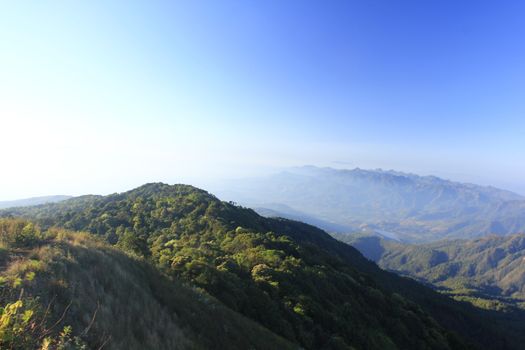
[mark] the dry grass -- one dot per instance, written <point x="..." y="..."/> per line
<point x="122" y="302"/>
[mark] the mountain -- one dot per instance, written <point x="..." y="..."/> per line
<point x="71" y="290"/>
<point x="32" y="201"/>
<point x="403" y="206"/>
<point x="489" y="267"/>
<point x="289" y="277"/>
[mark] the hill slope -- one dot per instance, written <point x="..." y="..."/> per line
<point x="109" y="299"/>
<point x="490" y="266"/>
<point x="406" y="206"/>
<point x="290" y="277"/>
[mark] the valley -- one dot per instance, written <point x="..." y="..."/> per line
<point x="416" y="209"/>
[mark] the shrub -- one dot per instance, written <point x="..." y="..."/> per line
<point x="19" y="233"/>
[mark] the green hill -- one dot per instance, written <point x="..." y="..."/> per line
<point x="108" y="298"/>
<point x="490" y="266"/>
<point x="289" y="277"/>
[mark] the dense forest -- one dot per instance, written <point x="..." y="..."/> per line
<point x="488" y="271"/>
<point x="71" y="290"/>
<point x="291" y="278"/>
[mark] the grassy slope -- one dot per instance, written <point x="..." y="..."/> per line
<point x="135" y="307"/>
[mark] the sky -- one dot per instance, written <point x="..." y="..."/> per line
<point x="103" y="96"/>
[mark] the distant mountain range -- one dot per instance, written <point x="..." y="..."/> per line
<point x="32" y="201"/>
<point x="402" y="206"/>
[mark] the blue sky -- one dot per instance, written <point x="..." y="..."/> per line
<point x="101" y="96"/>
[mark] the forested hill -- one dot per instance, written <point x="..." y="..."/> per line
<point x="409" y="207"/>
<point x="290" y="277"/>
<point x="490" y="266"/>
<point x="65" y="290"/>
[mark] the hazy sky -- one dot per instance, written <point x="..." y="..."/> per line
<point x="102" y="96"/>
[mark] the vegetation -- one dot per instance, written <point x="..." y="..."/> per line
<point x="491" y="266"/>
<point x="24" y="324"/>
<point x="485" y="272"/>
<point x="289" y="277"/>
<point x="70" y="290"/>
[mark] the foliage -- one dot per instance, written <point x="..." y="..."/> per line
<point x="486" y="273"/>
<point x="490" y="266"/>
<point x="19" y="233"/>
<point x="21" y="329"/>
<point x="290" y="277"/>
<point x="82" y="293"/>
<point x="23" y="323"/>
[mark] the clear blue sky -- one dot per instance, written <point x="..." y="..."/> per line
<point x="101" y="96"/>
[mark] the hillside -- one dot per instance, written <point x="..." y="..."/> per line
<point x="71" y="289"/>
<point x="290" y="277"/>
<point x="403" y="206"/>
<point x="489" y="267"/>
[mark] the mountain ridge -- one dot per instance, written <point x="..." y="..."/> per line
<point x="414" y="208"/>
